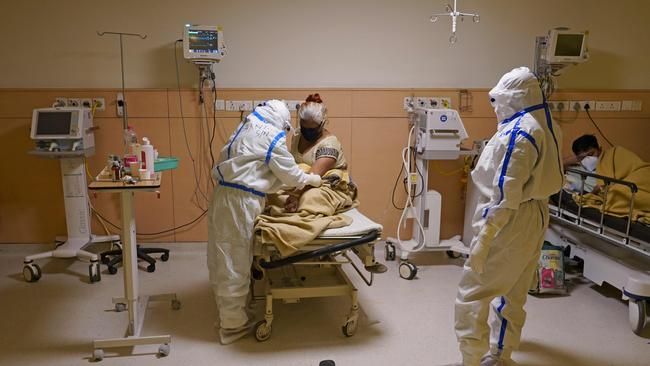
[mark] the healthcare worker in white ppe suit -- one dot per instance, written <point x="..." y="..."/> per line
<point x="518" y="170"/>
<point x="255" y="161"/>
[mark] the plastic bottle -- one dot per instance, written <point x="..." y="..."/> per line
<point x="147" y="158"/>
<point x="130" y="137"/>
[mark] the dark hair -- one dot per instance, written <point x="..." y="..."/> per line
<point x="584" y="143"/>
<point x="314" y="98"/>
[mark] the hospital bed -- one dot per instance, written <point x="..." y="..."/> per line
<point x="615" y="250"/>
<point x="316" y="270"/>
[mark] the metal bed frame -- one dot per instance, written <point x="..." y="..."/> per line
<point x="610" y="255"/>
<point x="313" y="273"/>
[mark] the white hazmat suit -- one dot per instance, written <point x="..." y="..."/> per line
<point x="254" y="161"/>
<point x="518" y="170"/>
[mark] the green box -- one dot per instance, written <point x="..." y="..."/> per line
<point x="165" y="163"/>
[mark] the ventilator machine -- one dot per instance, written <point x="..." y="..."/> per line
<point x="435" y="134"/>
<point x="67" y="134"/>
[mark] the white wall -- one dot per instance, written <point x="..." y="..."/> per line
<point x="316" y="43"/>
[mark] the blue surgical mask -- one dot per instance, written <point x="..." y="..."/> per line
<point x="590" y="163"/>
<point x="311" y="134"/>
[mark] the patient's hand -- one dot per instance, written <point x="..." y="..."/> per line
<point x="597" y="189"/>
<point x="291" y="205"/>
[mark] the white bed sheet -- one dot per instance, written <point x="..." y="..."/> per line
<point x="360" y="225"/>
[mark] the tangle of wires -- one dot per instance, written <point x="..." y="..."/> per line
<point x="405" y="180"/>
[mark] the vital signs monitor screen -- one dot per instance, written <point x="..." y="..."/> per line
<point x="203" y="41"/>
<point x="53" y="123"/>
<point x="569" y="45"/>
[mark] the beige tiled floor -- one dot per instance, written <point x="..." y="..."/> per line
<point x="53" y="322"/>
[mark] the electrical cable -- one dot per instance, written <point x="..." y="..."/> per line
<point x="595" y="125"/>
<point x="187" y="143"/>
<point x="156" y="233"/>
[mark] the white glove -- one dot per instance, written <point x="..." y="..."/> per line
<point x="314" y="180"/>
<point x="479" y="251"/>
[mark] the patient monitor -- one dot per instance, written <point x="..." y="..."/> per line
<point x="439" y="134"/>
<point x="203" y="43"/>
<point x="63" y="129"/>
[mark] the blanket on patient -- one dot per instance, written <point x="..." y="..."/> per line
<point x="318" y="209"/>
<point x="622" y="164"/>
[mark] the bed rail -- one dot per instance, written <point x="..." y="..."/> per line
<point x="607" y="182"/>
<point x="371" y="236"/>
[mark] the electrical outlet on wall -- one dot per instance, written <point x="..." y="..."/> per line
<point x="408" y="103"/>
<point x="293" y="105"/>
<point x="561" y="105"/>
<point x="86" y="103"/>
<point x="632" y="105"/>
<point x="60" y="102"/>
<point x="581" y="105"/>
<point x="239" y="105"/>
<point x="220" y="105"/>
<point x="74" y="102"/>
<point x="608" y="105"/>
<point x="99" y="103"/>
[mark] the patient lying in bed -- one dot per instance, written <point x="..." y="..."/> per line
<point x="619" y="163"/>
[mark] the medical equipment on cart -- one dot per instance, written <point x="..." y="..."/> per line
<point x="67" y="134"/>
<point x="438" y="136"/>
<point x="614" y="249"/>
<point x="559" y="49"/>
<point x="316" y="271"/>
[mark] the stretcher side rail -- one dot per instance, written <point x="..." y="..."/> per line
<point x="367" y="238"/>
<point x="608" y="181"/>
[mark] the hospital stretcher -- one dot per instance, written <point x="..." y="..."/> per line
<point x="316" y="270"/>
<point x="614" y="250"/>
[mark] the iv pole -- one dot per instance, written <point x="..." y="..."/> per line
<point x="121" y="34"/>
<point x="454" y="14"/>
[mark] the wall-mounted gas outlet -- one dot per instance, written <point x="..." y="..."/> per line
<point x="422" y="102"/>
<point x="239" y="105"/>
<point x="445" y="102"/>
<point x="581" y="105"/>
<point x="60" y="102"/>
<point x="257" y="103"/>
<point x="74" y="102"/>
<point x="99" y="103"/>
<point x="434" y="102"/>
<point x="119" y="104"/>
<point x="220" y="105"/>
<point x="86" y="103"/>
<point x="293" y="105"/>
<point x="408" y="103"/>
<point x="611" y="106"/>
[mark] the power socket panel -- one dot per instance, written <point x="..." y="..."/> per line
<point x="293" y="105"/>
<point x="239" y="105"/>
<point x="608" y="105"/>
<point x="581" y="105"/>
<point x="99" y="103"/>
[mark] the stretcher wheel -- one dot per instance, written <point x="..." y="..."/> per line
<point x="32" y="272"/>
<point x="163" y="350"/>
<point x="638" y="315"/>
<point x="164" y="257"/>
<point x="349" y="328"/>
<point x="389" y="252"/>
<point x="176" y="304"/>
<point x="262" y="331"/>
<point x="151" y="268"/>
<point x="94" y="274"/>
<point x="98" y="354"/>
<point x="408" y="270"/>
<point x="112" y="269"/>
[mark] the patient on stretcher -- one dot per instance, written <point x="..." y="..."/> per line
<point x="294" y="218"/>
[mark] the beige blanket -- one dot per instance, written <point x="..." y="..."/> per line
<point x="319" y="209"/>
<point x="623" y="164"/>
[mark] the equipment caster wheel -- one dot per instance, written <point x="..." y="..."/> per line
<point x="98" y="355"/>
<point x="164" y="257"/>
<point x="408" y="270"/>
<point x="638" y="315"/>
<point x="262" y="331"/>
<point x="389" y="252"/>
<point x="349" y="328"/>
<point x="112" y="269"/>
<point x="32" y="272"/>
<point x="176" y="304"/>
<point x="453" y="255"/>
<point x="151" y="268"/>
<point x="163" y="350"/>
<point x="93" y="272"/>
<point x="120" y="307"/>
<point x="105" y="260"/>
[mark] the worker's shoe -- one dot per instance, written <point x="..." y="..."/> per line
<point x="228" y="335"/>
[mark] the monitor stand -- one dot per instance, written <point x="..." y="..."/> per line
<point x="77" y="218"/>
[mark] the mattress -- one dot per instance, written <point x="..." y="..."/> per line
<point x="360" y="226"/>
